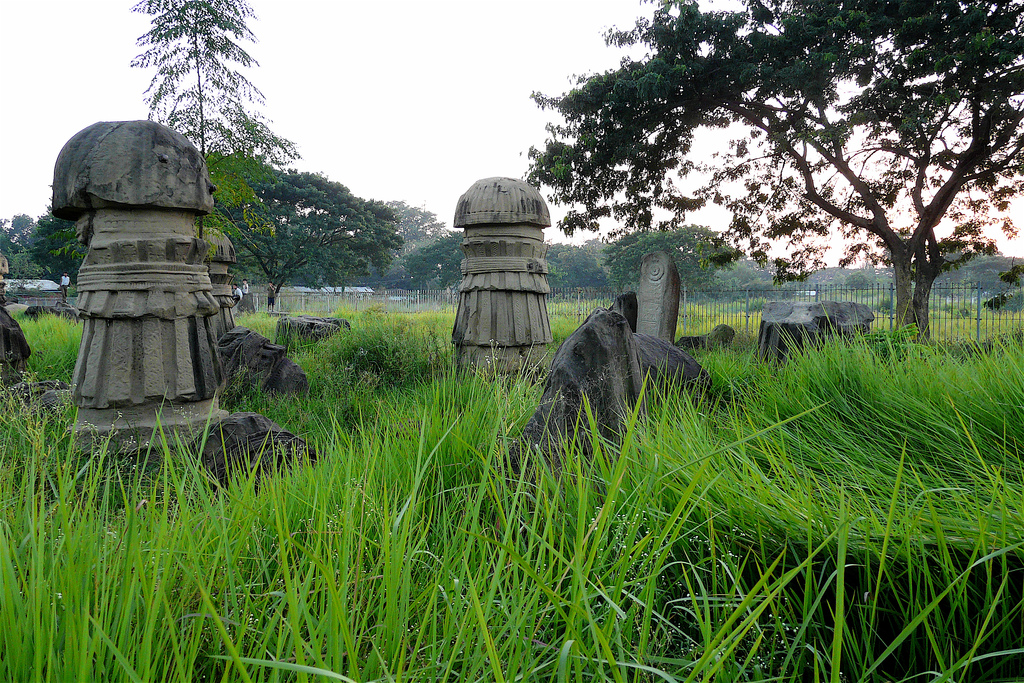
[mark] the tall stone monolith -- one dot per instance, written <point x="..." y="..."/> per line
<point x="502" y="319"/>
<point x="658" y="298"/>
<point x="148" y="354"/>
<point x="220" y="278"/>
<point x="4" y="269"/>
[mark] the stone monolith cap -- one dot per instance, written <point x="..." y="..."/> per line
<point x="137" y="164"/>
<point x="501" y="201"/>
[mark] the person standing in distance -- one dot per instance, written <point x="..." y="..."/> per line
<point x="271" y="296"/>
<point x="65" y="282"/>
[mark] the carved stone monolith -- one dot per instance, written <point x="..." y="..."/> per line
<point x="148" y="354"/>
<point x="627" y="306"/>
<point x="502" y="319"/>
<point x="4" y="269"/>
<point x="14" y="349"/>
<point x="658" y="298"/>
<point x="223" y="256"/>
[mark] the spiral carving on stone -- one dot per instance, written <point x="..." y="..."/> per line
<point x="656" y="271"/>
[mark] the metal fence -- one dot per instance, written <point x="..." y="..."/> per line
<point x="957" y="311"/>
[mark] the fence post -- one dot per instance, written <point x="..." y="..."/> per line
<point x="977" y="336"/>
<point x="892" y="305"/>
<point x="747" y="309"/>
<point x="684" y="310"/>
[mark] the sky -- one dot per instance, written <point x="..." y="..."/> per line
<point x="397" y="100"/>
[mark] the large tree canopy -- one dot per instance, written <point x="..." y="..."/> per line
<point x="876" y="119"/>
<point x="695" y="250"/>
<point x="574" y="266"/>
<point x="315" y="228"/>
<point x="436" y="264"/>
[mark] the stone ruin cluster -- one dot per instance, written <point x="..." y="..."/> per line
<point x="160" y="340"/>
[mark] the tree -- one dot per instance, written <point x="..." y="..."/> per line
<point x="54" y="247"/>
<point x="416" y="226"/>
<point x="198" y="90"/>
<point x="874" y="118"/>
<point x="317" y="229"/>
<point x="437" y="264"/>
<point x="695" y="250"/>
<point x="575" y="266"/>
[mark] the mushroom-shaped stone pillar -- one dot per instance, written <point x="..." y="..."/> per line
<point x="502" y="319"/>
<point x="223" y="256"/>
<point x="148" y="354"/>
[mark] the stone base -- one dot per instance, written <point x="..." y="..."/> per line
<point x="135" y="428"/>
<point x="504" y="360"/>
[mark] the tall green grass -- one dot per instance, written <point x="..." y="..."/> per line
<point x="850" y="516"/>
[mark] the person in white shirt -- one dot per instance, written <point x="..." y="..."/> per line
<point x="237" y="294"/>
<point x="65" y="282"/>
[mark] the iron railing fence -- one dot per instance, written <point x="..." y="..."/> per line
<point x="957" y="311"/>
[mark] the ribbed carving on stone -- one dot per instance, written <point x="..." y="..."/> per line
<point x="148" y="353"/>
<point x="501" y="200"/>
<point x="220" y="278"/>
<point x="502" y="319"/>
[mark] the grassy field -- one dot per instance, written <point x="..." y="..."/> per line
<point x="856" y="515"/>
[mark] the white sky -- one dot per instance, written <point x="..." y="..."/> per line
<point x="394" y="99"/>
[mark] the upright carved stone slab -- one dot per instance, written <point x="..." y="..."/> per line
<point x="148" y="354"/>
<point x="220" y="279"/>
<point x="502" y="318"/>
<point x="4" y="269"/>
<point x="658" y="297"/>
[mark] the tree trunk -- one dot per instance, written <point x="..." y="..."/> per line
<point x="913" y="285"/>
<point x="904" y="285"/>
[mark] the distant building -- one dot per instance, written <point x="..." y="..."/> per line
<point x="32" y="286"/>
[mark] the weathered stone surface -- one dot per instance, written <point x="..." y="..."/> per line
<point x="148" y="355"/>
<point x="60" y="308"/>
<point x="49" y="394"/>
<point x="220" y="279"/>
<point x="720" y="337"/>
<point x="502" y="319"/>
<point x="307" y="327"/>
<point x="14" y="350"/>
<point x="626" y="305"/>
<point x="245" y="444"/>
<point x="137" y="164"/>
<point x="247" y="304"/>
<point x="599" y="361"/>
<point x="666" y="364"/>
<point x="788" y="326"/>
<point x="4" y="269"/>
<point x="252" y="361"/>
<point x="658" y="298"/>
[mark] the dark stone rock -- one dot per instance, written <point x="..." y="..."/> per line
<point x="50" y="394"/>
<point x="60" y="308"/>
<point x="627" y="306"/>
<point x="247" y="304"/>
<point x="788" y="326"/>
<point x="251" y="360"/>
<point x="720" y="337"/>
<point x="14" y="350"/>
<point x="600" y="361"/>
<point x="666" y="364"/>
<point x="245" y="444"/>
<point x="56" y="399"/>
<point x="31" y="391"/>
<point x="308" y="327"/>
